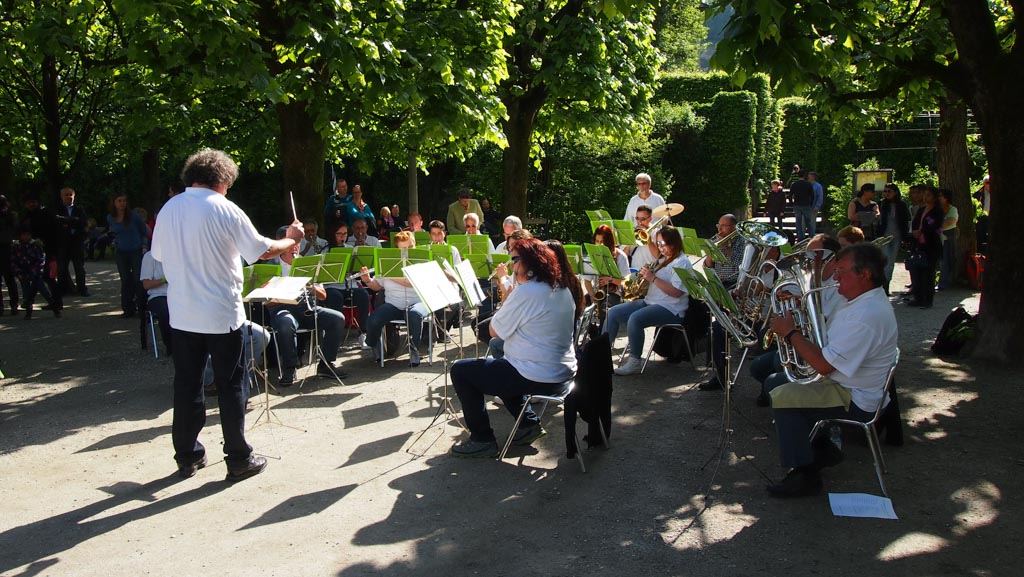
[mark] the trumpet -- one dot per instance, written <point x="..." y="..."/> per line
<point x="356" y="275"/>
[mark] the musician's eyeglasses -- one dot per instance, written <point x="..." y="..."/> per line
<point x="515" y="259"/>
<point x="660" y="243"/>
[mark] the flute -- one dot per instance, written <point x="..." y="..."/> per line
<point x="356" y="275"/>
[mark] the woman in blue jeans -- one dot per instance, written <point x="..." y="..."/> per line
<point x="664" y="304"/>
<point x="130" y="233"/>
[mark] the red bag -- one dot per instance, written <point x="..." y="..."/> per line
<point x="976" y="270"/>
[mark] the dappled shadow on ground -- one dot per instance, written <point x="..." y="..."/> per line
<point x="61" y="532"/>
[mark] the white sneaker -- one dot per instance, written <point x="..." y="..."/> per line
<point x="630" y="367"/>
<point x="362" y="342"/>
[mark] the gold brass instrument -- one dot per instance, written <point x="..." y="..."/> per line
<point x="636" y="286"/>
<point x="805" y="283"/>
<point x="643" y="235"/>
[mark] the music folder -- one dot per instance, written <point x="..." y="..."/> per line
<point x="280" y="289"/>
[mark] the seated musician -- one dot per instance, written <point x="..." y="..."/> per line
<point x="728" y="271"/>
<point x="511" y="224"/>
<point x="861" y="344"/>
<point x="360" y="236"/>
<point x="644" y="255"/>
<point x="497" y="287"/>
<point x="286" y="319"/>
<point x="850" y="235"/>
<point x="536" y="323"/>
<point x="611" y="285"/>
<point x="768" y="365"/>
<point x="665" y="302"/>
<point x="472" y="224"/>
<point x="350" y="293"/>
<point x="400" y="303"/>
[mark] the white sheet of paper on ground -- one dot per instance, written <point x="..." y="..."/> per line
<point x="861" y="505"/>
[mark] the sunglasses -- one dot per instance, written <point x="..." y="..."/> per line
<point x="660" y="243"/>
<point x="515" y="259"/>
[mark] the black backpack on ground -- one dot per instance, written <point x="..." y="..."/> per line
<point x="957" y="329"/>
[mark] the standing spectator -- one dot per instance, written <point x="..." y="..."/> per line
<point x="803" y="205"/>
<point x="201" y="241"/>
<point x="458" y="210"/>
<point x="396" y="214"/>
<point x="819" y="200"/>
<point x="929" y="243"/>
<point x="644" y="196"/>
<point x="984" y="194"/>
<point x="130" y="233"/>
<point x="359" y="208"/>
<point x="948" y="266"/>
<point x="492" y="219"/>
<point x="775" y="205"/>
<point x="863" y="210"/>
<point x="28" y="259"/>
<point x="72" y="220"/>
<point x="336" y="208"/>
<point x="895" y="223"/>
<point x="385" y="224"/>
<point x="8" y="228"/>
<point x="43" y="225"/>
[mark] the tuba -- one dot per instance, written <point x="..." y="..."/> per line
<point x="805" y="281"/>
<point x="751" y="292"/>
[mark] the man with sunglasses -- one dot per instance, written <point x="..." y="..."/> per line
<point x="644" y="196"/>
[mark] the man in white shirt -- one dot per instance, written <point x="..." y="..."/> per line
<point x="359" y="236"/>
<point x="644" y="255"/>
<point x="199" y="241"/>
<point x="860" y="348"/>
<point x="151" y="273"/>
<point x="511" y="224"/>
<point x="644" y="195"/>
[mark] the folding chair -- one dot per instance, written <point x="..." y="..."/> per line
<point x="428" y="325"/>
<point x="678" y="327"/>
<point x="869" y="427"/>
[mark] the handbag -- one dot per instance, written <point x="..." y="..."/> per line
<point x="916" y="260"/>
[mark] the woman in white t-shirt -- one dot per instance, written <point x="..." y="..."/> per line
<point x="400" y="302"/>
<point x="664" y="304"/>
<point x="536" y="323"/>
<point x="950" y="219"/>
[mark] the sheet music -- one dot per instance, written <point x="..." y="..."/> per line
<point x="280" y="289"/>
<point x="435" y="290"/>
<point x="467" y="280"/>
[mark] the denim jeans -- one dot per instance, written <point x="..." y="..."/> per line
<point x="158" y="308"/>
<point x="891" y="251"/>
<point x="947" y="267"/>
<point x="338" y="298"/>
<point x="190" y="353"/>
<point x="637" y="315"/>
<point x="474" y="378"/>
<point x="287" y="319"/>
<point x="767" y="370"/>
<point x="129" y="263"/>
<point x="386" y="313"/>
<point x="805" y="225"/>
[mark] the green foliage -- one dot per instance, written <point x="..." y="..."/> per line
<point x="680" y="32"/>
<point x="808" y="139"/>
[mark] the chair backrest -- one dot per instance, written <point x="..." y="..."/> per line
<point x="885" y="389"/>
<point x="580" y="333"/>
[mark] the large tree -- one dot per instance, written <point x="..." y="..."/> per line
<point x="56" y="77"/>
<point x="574" y="67"/>
<point x="909" y="53"/>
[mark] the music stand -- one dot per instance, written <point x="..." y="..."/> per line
<point x="334" y="272"/>
<point x="436" y="291"/>
<point x="275" y="289"/>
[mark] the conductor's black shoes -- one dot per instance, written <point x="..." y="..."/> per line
<point x="254" y="467"/>
<point x="186" y="470"/>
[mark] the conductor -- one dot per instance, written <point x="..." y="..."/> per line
<point x="201" y="240"/>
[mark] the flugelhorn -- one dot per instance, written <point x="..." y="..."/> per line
<point x="643" y="235"/>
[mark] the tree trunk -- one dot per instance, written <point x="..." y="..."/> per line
<point x="152" y="193"/>
<point x="302" y="161"/>
<point x="6" y="170"/>
<point x="1001" y="324"/>
<point x="51" y="131"/>
<point x="954" y="164"/>
<point x="414" y="188"/>
<point x="515" y="160"/>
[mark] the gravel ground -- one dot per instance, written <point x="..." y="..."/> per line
<point x="359" y="482"/>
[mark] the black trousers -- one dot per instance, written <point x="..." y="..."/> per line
<point x="72" y="252"/>
<point x="190" y="351"/>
